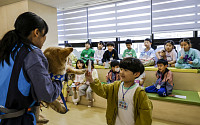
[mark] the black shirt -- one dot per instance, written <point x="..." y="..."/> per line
<point x="107" y="55"/>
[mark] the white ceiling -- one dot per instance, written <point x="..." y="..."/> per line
<point x="73" y="4"/>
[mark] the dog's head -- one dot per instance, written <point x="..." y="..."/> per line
<point x="57" y="57"/>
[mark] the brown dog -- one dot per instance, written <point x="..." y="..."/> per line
<point x="57" y="58"/>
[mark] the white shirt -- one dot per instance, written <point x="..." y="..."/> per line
<point x="126" y="116"/>
<point x="98" y="54"/>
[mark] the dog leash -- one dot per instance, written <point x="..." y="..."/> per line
<point x="64" y="102"/>
<point x="60" y="78"/>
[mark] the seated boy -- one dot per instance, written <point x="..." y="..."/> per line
<point x="164" y="82"/>
<point x="87" y="53"/>
<point x="127" y="103"/>
<point x="129" y="52"/>
<point x="113" y="74"/>
<point x="110" y="54"/>
<point x="147" y="56"/>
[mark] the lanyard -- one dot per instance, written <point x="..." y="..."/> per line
<point x="126" y="90"/>
<point x="110" y="54"/>
<point x="160" y="79"/>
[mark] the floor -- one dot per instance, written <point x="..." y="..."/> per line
<point x="82" y="115"/>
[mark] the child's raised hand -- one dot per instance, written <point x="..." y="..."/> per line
<point x="88" y="76"/>
<point x="190" y="62"/>
<point x="181" y="57"/>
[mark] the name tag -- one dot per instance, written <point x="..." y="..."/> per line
<point x="158" y="87"/>
<point x="122" y="104"/>
<point x="127" y="55"/>
<point x="169" y="58"/>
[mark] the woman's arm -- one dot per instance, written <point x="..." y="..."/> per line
<point x="42" y="87"/>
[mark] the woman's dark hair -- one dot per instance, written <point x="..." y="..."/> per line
<point x="132" y="64"/>
<point x="128" y="41"/>
<point x="162" y="61"/>
<point x="188" y="41"/>
<point x="110" y="44"/>
<point x="81" y="61"/>
<point x="92" y="63"/>
<point x="12" y="40"/>
<point x="114" y="63"/>
<point x="171" y="42"/>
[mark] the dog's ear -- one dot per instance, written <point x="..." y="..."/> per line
<point x="66" y="51"/>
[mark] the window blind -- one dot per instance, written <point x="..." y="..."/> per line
<point x="72" y="24"/>
<point x="133" y="18"/>
<point x="175" y="15"/>
<point x="102" y="21"/>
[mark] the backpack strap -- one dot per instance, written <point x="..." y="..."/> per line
<point x="11" y="113"/>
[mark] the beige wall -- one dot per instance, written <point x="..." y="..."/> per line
<point x="49" y="14"/>
<point x="9" y="13"/>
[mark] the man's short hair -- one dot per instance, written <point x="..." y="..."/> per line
<point x="147" y="39"/>
<point x="128" y="41"/>
<point x="162" y="61"/>
<point x="110" y="44"/>
<point x="114" y="63"/>
<point x="132" y="64"/>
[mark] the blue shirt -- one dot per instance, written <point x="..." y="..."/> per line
<point x="147" y="54"/>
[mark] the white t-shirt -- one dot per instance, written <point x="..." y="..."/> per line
<point x="125" y="114"/>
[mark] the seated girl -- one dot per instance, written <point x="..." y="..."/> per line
<point x="85" y="88"/>
<point x="79" y="79"/>
<point x="98" y="55"/>
<point x="168" y="53"/>
<point x="188" y="57"/>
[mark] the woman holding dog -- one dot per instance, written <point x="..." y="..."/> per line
<point x="24" y="77"/>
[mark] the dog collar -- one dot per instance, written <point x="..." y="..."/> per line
<point x="57" y="77"/>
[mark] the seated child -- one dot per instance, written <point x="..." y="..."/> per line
<point x="79" y="79"/>
<point x="127" y="103"/>
<point x="129" y="52"/>
<point x="164" y="82"/>
<point x="87" y="53"/>
<point x="71" y="59"/>
<point x="98" y="55"/>
<point x="66" y="86"/>
<point x="162" y="54"/>
<point x="113" y="74"/>
<point x="67" y="81"/>
<point x="85" y="89"/>
<point x="188" y="57"/>
<point x="147" y="56"/>
<point x="110" y="54"/>
<point x="168" y="53"/>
